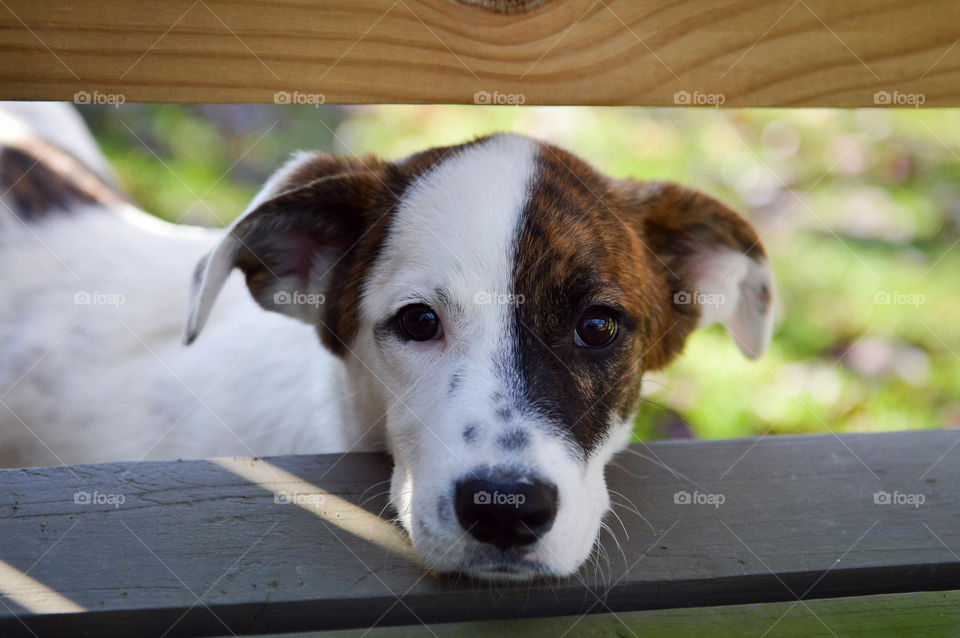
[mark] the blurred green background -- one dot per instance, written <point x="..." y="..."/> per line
<point x="858" y="209"/>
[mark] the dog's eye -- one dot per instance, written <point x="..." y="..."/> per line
<point x="596" y="328"/>
<point x="418" y="322"/>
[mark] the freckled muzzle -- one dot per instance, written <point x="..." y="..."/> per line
<point x="505" y="512"/>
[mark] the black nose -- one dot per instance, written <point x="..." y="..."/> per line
<point x="506" y="513"/>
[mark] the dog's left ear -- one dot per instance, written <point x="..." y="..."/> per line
<point x="296" y="240"/>
<point x="712" y="262"/>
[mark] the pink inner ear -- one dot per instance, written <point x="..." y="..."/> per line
<point x="305" y="246"/>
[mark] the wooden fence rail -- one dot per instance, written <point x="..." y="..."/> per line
<point x="297" y="543"/>
<point x="604" y="52"/>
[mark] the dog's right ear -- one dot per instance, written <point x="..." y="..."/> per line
<point x="294" y="239"/>
<point x="712" y="263"/>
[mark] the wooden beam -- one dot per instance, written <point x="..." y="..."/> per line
<point x="210" y="547"/>
<point x="738" y="52"/>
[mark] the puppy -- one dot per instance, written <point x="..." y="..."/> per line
<point x="484" y="312"/>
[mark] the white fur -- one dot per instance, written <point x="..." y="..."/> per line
<point x="99" y="382"/>
<point x="109" y="380"/>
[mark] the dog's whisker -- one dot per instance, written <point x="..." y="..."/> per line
<point x="625" y="507"/>
<point x="621" y="495"/>
<point x="603" y="549"/>
<point x="603" y="556"/>
<point x="384" y="482"/>
<point x="594" y="561"/>
<point x="374" y="497"/>
<point x="619" y="520"/>
<point x="400" y="514"/>
<point x="658" y="463"/>
<point x="653" y="530"/>
<point x="618" y="543"/>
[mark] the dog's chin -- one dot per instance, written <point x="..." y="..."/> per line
<point x="508" y="572"/>
<point x="490" y="564"/>
<point x="462" y="557"/>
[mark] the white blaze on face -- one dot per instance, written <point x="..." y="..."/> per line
<point x="450" y="245"/>
<point x="456" y="225"/>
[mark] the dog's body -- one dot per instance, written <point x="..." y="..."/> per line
<point x="92" y="366"/>
<point x="485" y="313"/>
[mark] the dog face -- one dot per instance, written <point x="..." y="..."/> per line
<point x="499" y="300"/>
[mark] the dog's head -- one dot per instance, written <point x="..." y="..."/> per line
<point x="499" y="301"/>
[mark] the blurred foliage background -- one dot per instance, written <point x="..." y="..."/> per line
<point x="858" y="209"/>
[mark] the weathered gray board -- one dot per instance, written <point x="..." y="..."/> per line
<point x="197" y="549"/>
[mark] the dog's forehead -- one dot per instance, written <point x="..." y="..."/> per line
<point x="455" y="226"/>
<point x="580" y="239"/>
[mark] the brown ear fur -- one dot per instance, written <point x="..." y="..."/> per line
<point x="675" y="224"/>
<point x="316" y="228"/>
<point x="300" y="238"/>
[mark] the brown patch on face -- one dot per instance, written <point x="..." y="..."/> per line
<point x="39" y="177"/>
<point x="574" y="252"/>
<point x="587" y="240"/>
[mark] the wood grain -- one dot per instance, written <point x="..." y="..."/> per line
<point x="740" y="52"/>
<point x="197" y="547"/>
